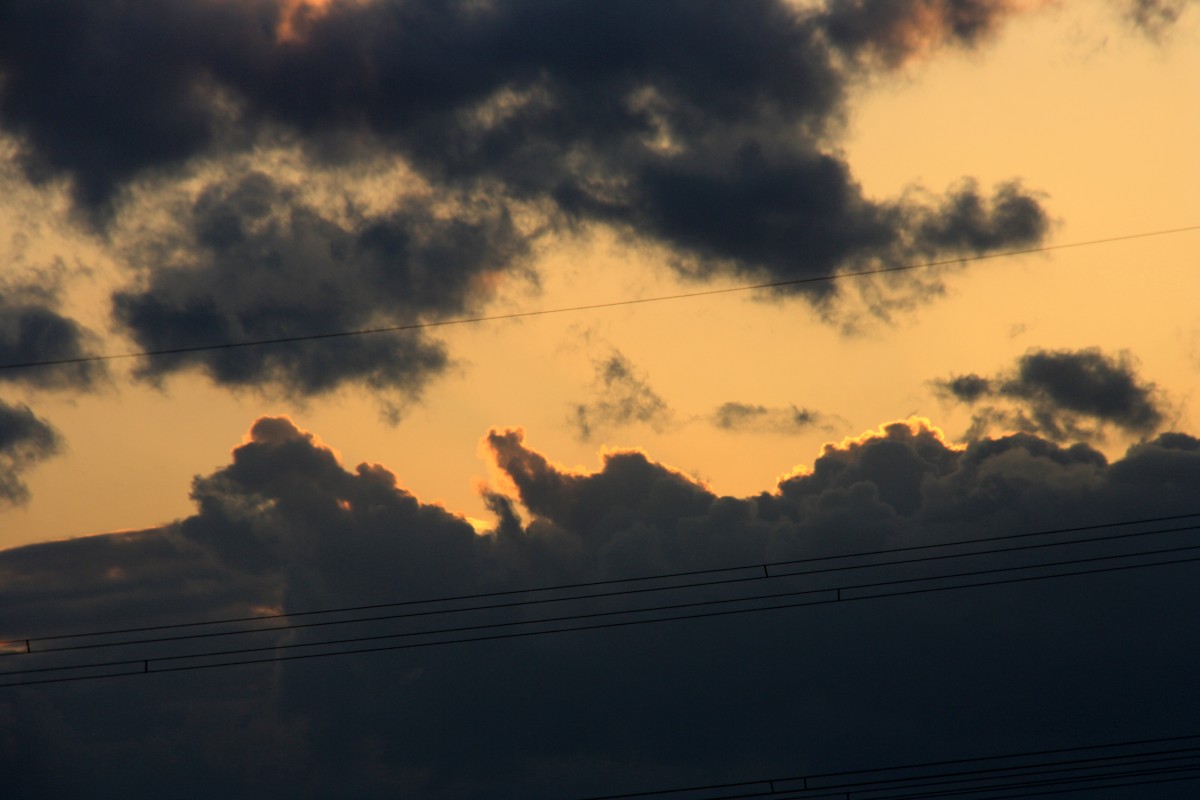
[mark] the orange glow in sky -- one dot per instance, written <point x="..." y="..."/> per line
<point x="1038" y="100"/>
<point x="296" y="15"/>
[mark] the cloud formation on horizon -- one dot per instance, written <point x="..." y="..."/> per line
<point x="286" y="527"/>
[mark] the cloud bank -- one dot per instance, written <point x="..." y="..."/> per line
<point x="286" y="527"/>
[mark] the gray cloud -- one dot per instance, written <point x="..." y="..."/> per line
<point x="24" y="440"/>
<point x="262" y="263"/>
<point x="1064" y="394"/>
<point x="753" y="418"/>
<point x="33" y="330"/>
<point x="1090" y="383"/>
<point x="896" y="463"/>
<point x="967" y="388"/>
<point x="284" y="525"/>
<point x="622" y="398"/>
<point x="788" y="212"/>
<point x="708" y="127"/>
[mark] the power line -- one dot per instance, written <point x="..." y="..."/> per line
<point x="1116" y="780"/>
<point x="587" y="307"/>
<point x="592" y="621"/>
<point x="765" y="575"/>
<point x="953" y="778"/>
<point x="759" y="572"/>
<point x="765" y="567"/>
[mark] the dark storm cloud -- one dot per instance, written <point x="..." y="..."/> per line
<point x="709" y="127"/>
<point x="896" y="464"/>
<point x="1090" y="383"/>
<point x="795" y="215"/>
<point x="106" y="91"/>
<point x="1064" y="394"/>
<point x="287" y="494"/>
<point x="622" y="398"/>
<point x="592" y="508"/>
<point x="283" y="524"/>
<point x="24" y="440"/>
<point x="33" y="330"/>
<point x="261" y="263"/>
<point x="406" y="70"/>
<point x="286" y="526"/>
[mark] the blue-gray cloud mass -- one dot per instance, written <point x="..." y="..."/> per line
<point x="286" y="527"/>
<point x="707" y="127"/>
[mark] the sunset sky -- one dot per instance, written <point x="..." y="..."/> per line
<point x="209" y="172"/>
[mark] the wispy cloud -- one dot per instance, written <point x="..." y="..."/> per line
<point x="622" y="398"/>
<point x="753" y="418"/>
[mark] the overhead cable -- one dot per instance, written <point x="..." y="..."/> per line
<point x="1034" y="773"/>
<point x="704" y="606"/>
<point x="791" y="282"/>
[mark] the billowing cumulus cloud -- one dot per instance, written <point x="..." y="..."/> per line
<point x="593" y="511"/>
<point x="286" y="527"/>
<point x="623" y="397"/>
<point x="255" y="261"/>
<point x="896" y="462"/>
<point x="708" y="128"/>
<point x="1063" y="394"/>
<point x="25" y="439"/>
<point x="753" y="418"/>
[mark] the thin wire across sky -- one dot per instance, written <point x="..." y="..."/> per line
<point x="1035" y="773"/>
<point x="796" y="583"/>
<point x="587" y="307"/>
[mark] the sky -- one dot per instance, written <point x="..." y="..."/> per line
<point x="216" y="172"/>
